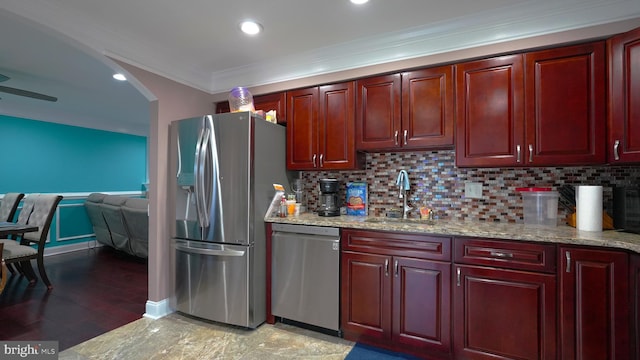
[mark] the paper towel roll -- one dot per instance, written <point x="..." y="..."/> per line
<point x="589" y="208"/>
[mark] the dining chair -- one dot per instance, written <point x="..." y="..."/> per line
<point x="3" y="269"/>
<point x="23" y="216"/>
<point x="44" y="208"/>
<point x="9" y="205"/>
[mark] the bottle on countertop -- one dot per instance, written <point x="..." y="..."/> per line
<point x="283" y="206"/>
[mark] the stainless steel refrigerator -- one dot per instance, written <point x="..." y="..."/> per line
<point x="224" y="167"/>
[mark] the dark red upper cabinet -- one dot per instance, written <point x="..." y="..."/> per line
<point x="409" y="111"/>
<point x="267" y="102"/>
<point x="565" y="101"/>
<point x="320" y="128"/>
<point x="624" y="92"/>
<point x="378" y="114"/>
<point x="302" y="129"/>
<point x="427" y="108"/>
<point x="542" y="108"/>
<point x="275" y="101"/>
<point x="490" y="112"/>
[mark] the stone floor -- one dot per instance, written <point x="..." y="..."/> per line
<point x="179" y="337"/>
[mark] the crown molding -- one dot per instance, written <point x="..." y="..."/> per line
<point x="520" y="21"/>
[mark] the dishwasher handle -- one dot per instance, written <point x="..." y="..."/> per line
<point x="201" y="251"/>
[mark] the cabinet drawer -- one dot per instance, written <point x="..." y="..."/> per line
<point x="397" y="244"/>
<point x="505" y="254"/>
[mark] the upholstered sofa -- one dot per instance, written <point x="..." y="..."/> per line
<point x="120" y="222"/>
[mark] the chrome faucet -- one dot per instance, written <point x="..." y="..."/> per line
<point x="403" y="186"/>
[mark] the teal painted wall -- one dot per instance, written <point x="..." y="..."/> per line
<point x="42" y="157"/>
<point x="46" y="157"/>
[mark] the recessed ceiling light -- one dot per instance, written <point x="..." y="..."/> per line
<point x="359" y="2"/>
<point x="119" y="77"/>
<point x="250" y="27"/>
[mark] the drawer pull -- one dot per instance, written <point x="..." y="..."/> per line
<point x="395" y="268"/>
<point x="386" y="267"/>
<point x="530" y="153"/>
<point x="502" y="255"/>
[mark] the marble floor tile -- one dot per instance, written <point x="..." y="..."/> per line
<point x="177" y="336"/>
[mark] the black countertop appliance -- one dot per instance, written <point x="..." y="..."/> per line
<point x="329" y="198"/>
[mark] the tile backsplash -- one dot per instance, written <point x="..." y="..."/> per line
<point x="437" y="183"/>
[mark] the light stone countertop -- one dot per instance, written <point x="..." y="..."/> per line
<point x="561" y="234"/>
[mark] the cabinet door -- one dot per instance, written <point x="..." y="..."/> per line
<point x="504" y="314"/>
<point x="275" y="101"/>
<point x="565" y="105"/>
<point x="594" y="304"/>
<point x="366" y="296"/>
<point x="490" y="112"/>
<point x="427" y="108"/>
<point x="222" y="107"/>
<point x="302" y="129"/>
<point x="378" y="113"/>
<point x="337" y="127"/>
<point x="422" y="305"/>
<point x="635" y="306"/>
<point x="624" y="92"/>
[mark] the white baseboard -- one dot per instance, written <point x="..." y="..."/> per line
<point x="157" y="309"/>
<point x="62" y="249"/>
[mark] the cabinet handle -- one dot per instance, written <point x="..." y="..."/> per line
<point x="395" y="137"/>
<point x="314" y="160"/>
<point x="321" y="160"/>
<point x="406" y="132"/>
<point x="568" y="256"/>
<point x="616" y="145"/>
<point x="458" y="276"/>
<point x="386" y="267"/>
<point x="500" y="254"/>
<point x="395" y="268"/>
<point x="530" y="153"/>
<point x="518" y="153"/>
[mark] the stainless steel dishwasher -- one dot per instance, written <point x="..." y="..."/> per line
<point x="306" y="274"/>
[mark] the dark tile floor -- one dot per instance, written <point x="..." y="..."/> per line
<point x="94" y="291"/>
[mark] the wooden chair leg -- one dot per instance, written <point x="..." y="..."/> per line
<point x="43" y="273"/>
<point x="11" y="268"/>
<point x="27" y="269"/>
<point x="3" y="279"/>
<point x="3" y="269"/>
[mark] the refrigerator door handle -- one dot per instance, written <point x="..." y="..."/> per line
<point x="213" y="205"/>
<point x="201" y="251"/>
<point x="201" y="152"/>
<point x="179" y="172"/>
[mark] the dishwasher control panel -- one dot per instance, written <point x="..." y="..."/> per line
<point x="306" y="229"/>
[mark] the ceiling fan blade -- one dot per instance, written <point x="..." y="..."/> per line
<point x="26" y="93"/>
<point x="4" y="78"/>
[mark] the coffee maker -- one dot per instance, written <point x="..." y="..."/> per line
<point x="329" y="198"/>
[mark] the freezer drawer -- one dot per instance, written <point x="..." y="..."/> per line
<point x="212" y="282"/>
<point x="306" y="277"/>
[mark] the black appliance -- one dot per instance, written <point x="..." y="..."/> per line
<point x="329" y="198"/>
<point x="626" y="208"/>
